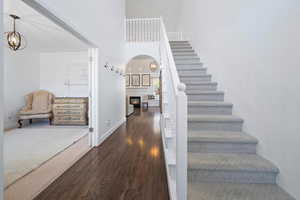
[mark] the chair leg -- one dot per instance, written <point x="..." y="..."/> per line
<point x="20" y="123"/>
<point x="50" y="120"/>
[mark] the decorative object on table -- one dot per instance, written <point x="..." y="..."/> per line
<point x="127" y="80"/>
<point x="153" y="67"/>
<point x="145" y="103"/>
<point x="70" y="111"/>
<point x="135" y="80"/>
<point x="15" y="40"/>
<point x="146" y="80"/>
<point x="38" y="106"/>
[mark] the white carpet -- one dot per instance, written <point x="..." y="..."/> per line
<point x="27" y="148"/>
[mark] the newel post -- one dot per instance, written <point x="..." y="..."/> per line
<point x="181" y="143"/>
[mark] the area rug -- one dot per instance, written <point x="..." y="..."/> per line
<point x="27" y="148"/>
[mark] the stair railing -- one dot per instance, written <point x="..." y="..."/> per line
<point x="142" y="29"/>
<point x="174" y="101"/>
<point x="174" y="120"/>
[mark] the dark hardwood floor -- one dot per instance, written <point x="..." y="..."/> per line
<point x="129" y="165"/>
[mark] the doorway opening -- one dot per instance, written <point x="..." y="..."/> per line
<point x="142" y="83"/>
<point x="50" y="98"/>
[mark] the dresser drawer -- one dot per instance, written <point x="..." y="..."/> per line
<point x="70" y="120"/>
<point x="70" y="100"/>
<point x="69" y="107"/>
<point x="61" y="112"/>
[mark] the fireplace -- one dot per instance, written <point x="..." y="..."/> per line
<point x="136" y="101"/>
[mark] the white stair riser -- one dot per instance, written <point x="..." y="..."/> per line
<point x="206" y="97"/>
<point x="215" y="126"/>
<point x="241" y="176"/>
<point x="213" y="147"/>
<point x="203" y="87"/>
<point x="210" y="110"/>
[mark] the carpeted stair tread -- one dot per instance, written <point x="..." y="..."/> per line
<point x="209" y="103"/>
<point x="194" y="75"/>
<point x="230" y="162"/>
<point x="231" y="191"/>
<point x="214" y="118"/>
<point x="221" y="137"/>
<point x="200" y="92"/>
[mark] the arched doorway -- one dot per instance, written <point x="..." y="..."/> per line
<point x="143" y="84"/>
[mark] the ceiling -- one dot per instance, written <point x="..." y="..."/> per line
<point x="41" y="34"/>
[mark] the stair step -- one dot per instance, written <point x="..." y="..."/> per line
<point x="215" y="122"/>
<point x="210" y="107"/>
<point x="199" y="71"/>
<point x="205" y="95"/>
<point x="179" y="42"/>
<point x="233" y="191"/>
<point x="184" y="54"/>
<point x="232" y="168"/>
<point x="195" y="78"/>
<point x="204" y="86"/>
<point x="183" y="51"/>
<point x="189" y="66"/>
<point x="221" y="142"/>
<point x="181" y="47"/>
<point x="193" y="55"/>
<point x="191" y="59"/>
<point x="187" y="62"/>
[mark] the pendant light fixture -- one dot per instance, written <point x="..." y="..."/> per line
<point x="153" y="66"/>
<point x="15" y="40"/>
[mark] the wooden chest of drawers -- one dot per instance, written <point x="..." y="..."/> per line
<point x="70" y="111"/>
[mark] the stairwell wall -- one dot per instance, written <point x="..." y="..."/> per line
<point x="252" y="50"/>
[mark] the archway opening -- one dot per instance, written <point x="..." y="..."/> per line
<point x="143" y="84"/>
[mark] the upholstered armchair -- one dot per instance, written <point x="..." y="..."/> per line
<point x="38" y="106"/>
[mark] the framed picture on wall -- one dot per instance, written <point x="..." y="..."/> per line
<point x="146" y="80"/>
<point x="127" y="80"/>
<point x="135" y="80"/>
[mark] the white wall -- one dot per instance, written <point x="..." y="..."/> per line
<point x="102" y="22"/>
<point x="22" y="76"/>
<point x="58" y="71"/>
<point x="168" y="9"/>
<point x="1" y="102"/>
<point x="252" y="49"/>
<point x="133" y="49"/>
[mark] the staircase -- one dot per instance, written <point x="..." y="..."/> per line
<point x="222" y="159"/>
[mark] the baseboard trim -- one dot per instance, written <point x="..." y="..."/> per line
<point x="111" y="131"/>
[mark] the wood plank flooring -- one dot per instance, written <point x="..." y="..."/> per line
<point x="129" y="165"/>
